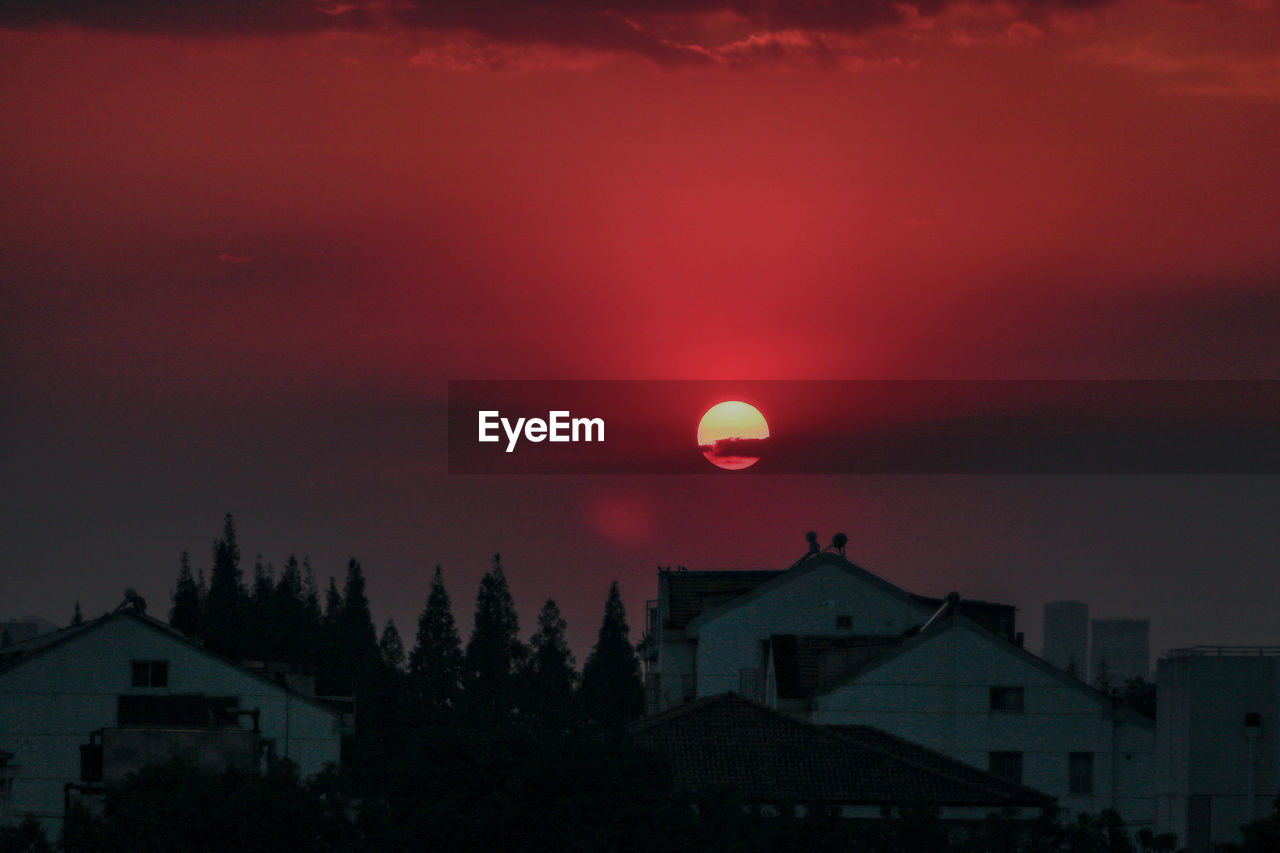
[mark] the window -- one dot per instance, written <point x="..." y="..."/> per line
<point x="1007" y="699"/>
<point x="1080" y="773"/>
<point x="844" y="621"/>
<point x="689" y="686"/>
<point x="151" y="673"/>
<point x="1006" y="766"/>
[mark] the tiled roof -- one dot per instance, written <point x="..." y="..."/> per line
<point x="689" y="593"/>
<point x="768" y="757"/>
<point x="926" y="759"/>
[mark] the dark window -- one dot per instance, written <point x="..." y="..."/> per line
<point x="689" y="685"/>
<point x="151" y="673"/>
<point x="1008" y="699"/>
<point x="1080" y="773"/>
<point x="1006" y="766"/>
<point x="844" y="621"/>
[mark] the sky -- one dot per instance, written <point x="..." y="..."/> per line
<point x="247" y="245"/>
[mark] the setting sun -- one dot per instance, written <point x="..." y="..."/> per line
<point x="730" y="433"/>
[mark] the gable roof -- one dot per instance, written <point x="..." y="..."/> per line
<point x="956" y="621"/>
<point x="804" y="565"/>
<point x="33" y="649"/>
<point x="690" y="592"/>
<point x="768" y="757"/>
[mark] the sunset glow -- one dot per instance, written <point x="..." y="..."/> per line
<point x="729" y="421"/>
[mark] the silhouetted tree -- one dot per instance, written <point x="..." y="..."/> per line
<point x="550" y="675"/>
<point x="224" y="609"/>
<point x="612" y="692"/>
<point x="77" y="618"/>
<point x="349" y="644"/>
<point x="185" y="615"/>
<point x="436" y="663"/>
<point x="5" y="640"/>
<point x="329" y="666"/>
<point x="359" y="636"/>
<point x="176" y="807"/>
<point x="1262" y="836"/>
<point x="27" y="837"/>
<point x="391" y="647"/>
<point x="289" y="624"/>
<point x="494" y="652"/>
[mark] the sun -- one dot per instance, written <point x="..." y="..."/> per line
<point x="731" y="433"/>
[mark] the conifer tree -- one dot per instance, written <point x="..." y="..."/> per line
<point x="436" y="664"/>
<point x="224" y="610"/>
<point x="77" y="618"/>
<point x="391" y="647"/>
<point x="494" y="652"/>
<point x="185" y="615"/>
<point x="263" y="582"/>
<point x="332" y="603"/>
<point x="330" y="663"/>
<point x="612" y="692"/>
<point x="550" y="674"/>
<point x="352" y="646"/>
<point x="355" y="619"/>
<point x="286" y="618"/>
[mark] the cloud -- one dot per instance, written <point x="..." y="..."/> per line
<point x="1213" y="74"/>
<point x="667" y="32"/>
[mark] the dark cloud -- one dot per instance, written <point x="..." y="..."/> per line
<point x="647" y="28"/>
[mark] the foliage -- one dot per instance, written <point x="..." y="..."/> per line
<point x="612" y="692"/>
<point x="27" y="837"/>
<point x="174" y="807"/>
<point x="494" y="653"/>
<point x="550" y="678"/>
<point x="436" y="663"/>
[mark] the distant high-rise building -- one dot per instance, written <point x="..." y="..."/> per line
<point x="1121" y="650"/>
<point x="1066" y="637"/>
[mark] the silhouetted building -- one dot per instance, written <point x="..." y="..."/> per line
<point x="774" y="761"/>
<point x="1066" y="637"/>
<point x="831" y="643"/>
<point x="1218" y="742"/>
<point x="1121" y="651"/>
<point x="91" y="703"/>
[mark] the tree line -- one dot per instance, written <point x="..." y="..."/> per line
<point x="493" y="678"/>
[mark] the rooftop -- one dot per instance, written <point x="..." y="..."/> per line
<point x="768" y="757"/>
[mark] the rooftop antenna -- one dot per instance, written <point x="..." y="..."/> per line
<point x="133" y="603"/>
<point x="837" y="543"/>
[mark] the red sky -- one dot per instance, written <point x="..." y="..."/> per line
<point x="243" y="254"/>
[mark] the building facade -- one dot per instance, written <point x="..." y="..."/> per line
<point x="831" y="643"/>
<point x="90" y="703"/>
<point x="1218" y="742"/>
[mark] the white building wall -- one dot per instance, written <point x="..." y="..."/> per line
<point x="938" y="695"/>
<point x="807" y="604"/>
<point x="51" y="703"/>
